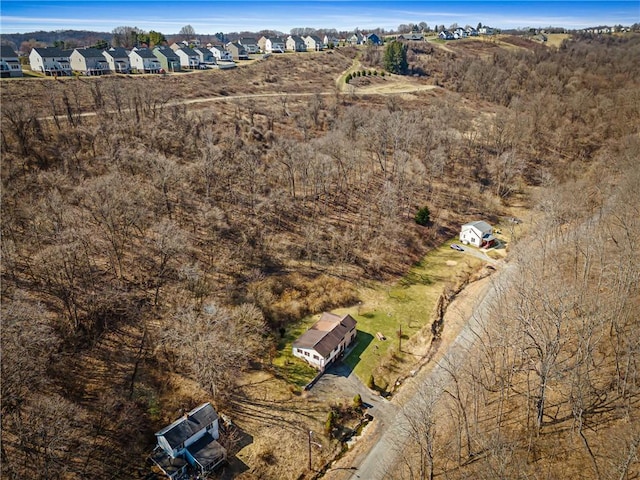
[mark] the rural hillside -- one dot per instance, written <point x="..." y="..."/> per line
<point x="162" y="234"/>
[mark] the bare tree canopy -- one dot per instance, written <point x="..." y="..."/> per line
<point x="126" y="37"/>
<point x="187" y="32"/>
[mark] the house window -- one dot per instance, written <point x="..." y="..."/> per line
<point x="306" y="353"/>
<point x="316" y="357"/>
<point x="298" y="350"/>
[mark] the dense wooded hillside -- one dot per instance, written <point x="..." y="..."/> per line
<point x="153" y="240"/>
<point x="551" y="388"/>
<point x="23" y="42"/>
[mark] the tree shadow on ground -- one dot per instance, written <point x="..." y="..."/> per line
<point x="235" y="466"/>
<point x="232" y="469"/>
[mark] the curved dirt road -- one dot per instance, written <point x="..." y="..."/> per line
<point x="398" y="86"/>
<point x="375" y="458"/>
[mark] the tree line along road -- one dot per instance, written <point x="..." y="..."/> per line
<point x="377" y="458"/>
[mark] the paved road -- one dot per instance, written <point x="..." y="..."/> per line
<point x="383" y="456"/>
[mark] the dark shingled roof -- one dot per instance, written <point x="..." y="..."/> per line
<point x="48" y="52"/>
<point x="90" y="52"/>
<point x="186" y="427"/>
<point x="326" y="334"/>
<point x="167" y="52"/>
<point x="145" y="53"/>
<point x="204" y="50"/>
<point x="117" y="52"/>
<point x="207" y="452"/>
<point x="189" y="51"/>
<point x="7" y="52"/>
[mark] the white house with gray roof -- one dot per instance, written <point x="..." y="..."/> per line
<point x="88" y="61"/>
<point x="206" y="56"/>
<point x="50" y="61"/>
<point x="478" y="233"/>
<point x="188" y="57"/>
<point x="313" y="43"/>
<point x="326" y="340"/>
<point x="275" y="45"/>
<point x="220" y="54"/>
<point x="144" y="61"/>
<point x="190" y="440"/>
<point x="117" y="59"/>
<point x="9" y="62"/>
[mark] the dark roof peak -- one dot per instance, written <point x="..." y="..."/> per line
<point x="190" y="424"/>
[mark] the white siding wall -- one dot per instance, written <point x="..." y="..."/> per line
<point x="469" y="235"/>
<point x="136" y="62"/>
<point x="215" y="433"/>
<point x="310" y="356"/>
<point x="166" y="447"/>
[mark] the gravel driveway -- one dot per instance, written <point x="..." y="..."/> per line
<point x="340" y="384"/>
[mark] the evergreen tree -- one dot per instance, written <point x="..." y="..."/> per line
<point x="423" y="216"/>
<point x="395" y="58"/>
<point x="156" y="38"/>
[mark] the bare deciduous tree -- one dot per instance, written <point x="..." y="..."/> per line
<point x="203" y="341"/>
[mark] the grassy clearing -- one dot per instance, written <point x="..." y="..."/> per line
<point x="407" y="304"/>
<point x="294" y="370"/>
<point x="556" y="39"/>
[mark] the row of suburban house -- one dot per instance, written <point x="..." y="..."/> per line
<point x="91" y="61"/>
<point x="460" y="32"/>
<point x="605" y="29"/>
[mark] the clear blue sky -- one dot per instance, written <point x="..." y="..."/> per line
<point x="211" y="16"/>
